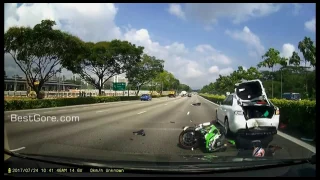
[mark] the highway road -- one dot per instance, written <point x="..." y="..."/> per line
<point x="105" y="130"/>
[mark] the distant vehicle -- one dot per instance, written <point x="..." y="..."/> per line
<point x="189" y="95"/>
<point x="292" y="96"/>
<point x="183" y="93"/>
<point x="145" y="97"/>
<point x="248" y="111"/>
<point x="172" y="94"/>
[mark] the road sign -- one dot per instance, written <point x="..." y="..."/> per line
<point x="120" y="86"/>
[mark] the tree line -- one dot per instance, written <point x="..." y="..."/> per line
<point x="293" y="75"/>
<point x="42" y="51"/>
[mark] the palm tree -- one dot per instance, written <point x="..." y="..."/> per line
<point x="270" y="59"/>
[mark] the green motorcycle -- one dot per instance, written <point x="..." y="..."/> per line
<point x="206" y="133"/>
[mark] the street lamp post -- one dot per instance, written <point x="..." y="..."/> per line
<point x="281" y="81"/>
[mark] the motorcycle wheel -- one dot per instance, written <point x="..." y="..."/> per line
<point x="188" y="139"/>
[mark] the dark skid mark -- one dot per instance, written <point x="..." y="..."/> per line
<point x="172" y="122"/>
<point x="141" y="132"/>
<point x="131" y="139"/>
<point x="196" y="104"/>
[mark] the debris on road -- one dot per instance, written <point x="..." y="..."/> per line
<point x="141" y="132"/>
<point x="172" y="122"/>
<point x="232" y="142"/>
<point x="196" y="104"/>
<point x="190" y="120"/>
<point x="131" y="139"/>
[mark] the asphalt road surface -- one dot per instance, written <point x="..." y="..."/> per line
<point x="99" y="130"/>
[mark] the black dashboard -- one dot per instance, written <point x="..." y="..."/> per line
<point x="14" y="164"/>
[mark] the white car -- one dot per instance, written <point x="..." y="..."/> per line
<point x="248" y="111"/>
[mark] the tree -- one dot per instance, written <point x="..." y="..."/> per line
<point x="308" y="49"/>
<point x="40" y="51"/>
<point x="144" y="71"/>
<point x="102" y="60"/>
<point x="162" y="80"/>
<point x="184" y="87"/>
<point x="252" y="73"/>
<point x="270" y="59"/>
<point x="295" y="59"/>
<point x="176" y="84"/>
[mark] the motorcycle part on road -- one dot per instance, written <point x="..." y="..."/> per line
<point x="141" y="132"/>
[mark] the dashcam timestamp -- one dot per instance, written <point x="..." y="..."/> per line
<point x="64" y="170"/>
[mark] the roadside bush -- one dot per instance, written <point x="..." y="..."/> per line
<point x="10" y="105"/>
<point x="214" y="98"/>
<point x="296" y="114"/>
<point x="19" y="104"/>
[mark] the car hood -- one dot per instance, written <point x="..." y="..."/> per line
<point x="80" y="153"/>
<point x="250" y="90"/>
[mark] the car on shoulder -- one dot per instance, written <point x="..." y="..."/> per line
<point x="146" y="97"/>
<point x="292" y="96"/>
<point x="248" y="112"/>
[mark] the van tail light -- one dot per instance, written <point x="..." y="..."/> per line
<point x="277" y="112"/>
<point x="238" y="113"/>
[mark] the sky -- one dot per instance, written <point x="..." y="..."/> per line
<point x="197" y="41"/>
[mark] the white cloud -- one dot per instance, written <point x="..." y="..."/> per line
<point x="311" y="25"/>
<point x="208" y="28"/>
<point x="213" y="55"/>
<point x="88" y="21"/>
<point x="96" y="22"/>
<point x="236" y="12"/>
<point x="175" y="9"/>
<point x="226" y="71"/>
<point x="214" y="69"/>
<point x="287" y="50"/>
<point x="297" y="8"/>
<point x="256" y="49"/>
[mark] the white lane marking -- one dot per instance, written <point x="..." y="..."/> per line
<point x="188" y="113"/>
<point x="286" y="136"/>
<point x="102" y="111"/>
<point x="18" y="149"/>
<point x="47" y="112"/>
<point x="30" y="114"/>
<point x="297" y="141"/>
<point x="165" y="104"/>
<point x="142" y="112"/>
<point x="61" y="110"/>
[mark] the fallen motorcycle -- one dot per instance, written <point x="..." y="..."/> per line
<point x="206" y="133"/>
